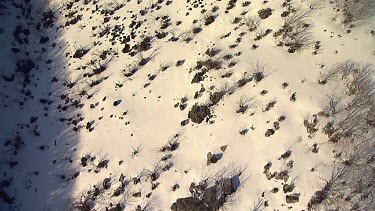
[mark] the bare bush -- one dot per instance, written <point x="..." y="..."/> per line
<point x="343" y="69"/>
<point x="362" y="79"/>
<point x="86" y="199"/>
<point x="252" y="22"/>
<point x="244" y="103"/>
<point x="172" y="144"/>
<point x="352" y="184"/>
<point x="129" y="70"/>
<point x="136" y="150"/>
<point x="260" y="71"/>
<point x="99" y="65"/>
<point x="334" y="105"/>
<point x="154" y="173"/>
<point x="296" y="31"/>
<point x="355" y="12"/>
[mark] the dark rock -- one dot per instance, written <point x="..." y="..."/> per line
<point x="25" y="67"/>
<point x="107" y="183"/>
<point x="211" y="158"/>
<point x="286" y="155"/>
<point x="117" y="102"/>
<point x="198" y="77"/>
<point x="212" y="198"/>
<point x="5" y="197"/>
<point x="188" y="204"/>
<point x="185" y="122"/>
<point x="223" y="148"/>
<point x="180" y="62"/>
<point x="265" y="13"/>
<point x="285" y="13"/>
<point x="198" y="113"/>
<point x="269" y="132"/>
<point x="287" y="188"/>
<point x="293" y="198"/>
<point x="227" y="187"/>
<point x="216" y="97"/>
<point x="43" y="40"/>
<point x="209" y="19"/>
<point x="80" y="53"/>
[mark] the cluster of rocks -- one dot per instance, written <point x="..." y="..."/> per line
<point x="207" y="198"/>
<point x="276" y="126"/>
<point x="284" y="177"/>
<point x="311" y="125"/>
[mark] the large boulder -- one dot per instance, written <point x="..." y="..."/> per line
<point x="188" y="204"/>
<point x="198" y="113"/>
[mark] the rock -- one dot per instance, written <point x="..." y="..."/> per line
<point x="107" y="183"/>
<point x="209" y="196"/>
<point x="286" y="178"/>
<point x="196" y="188"/>
<point x="185" y="122"/>
<point x="281" y="175"/>
<point x="285" y="13"/>
<point x="139" y="208"/>
<point x="183" y="106"/>
<point x="311" y="130"/>
<point x="269" y="132"/>
<point x="211" y="158"/>
<point x="265" y="13"/>
<point x="191" y="188"/>
<point x="276" y="125"/>
<point x="287" y="188"/>
<point x="5" y="197"/>
<point x="223" y="148"/>
<point x="117" y="102"/>
<point x="286" y="155"/>
<point x="198" y="113"/>
<point x="227" y="187"/>
<point x="43" y="40"/>
<point x="267" y="167"/>
<point x="180" y="62"/>
<point x="188" y="204"/>
<point x="293" y="198"/>
<point x="198" y="77"/>
<point x="275" y="190"/>
<point x="269" y="176"/>
<point x="213" y="198"/>
<point x="216" y="97"/>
